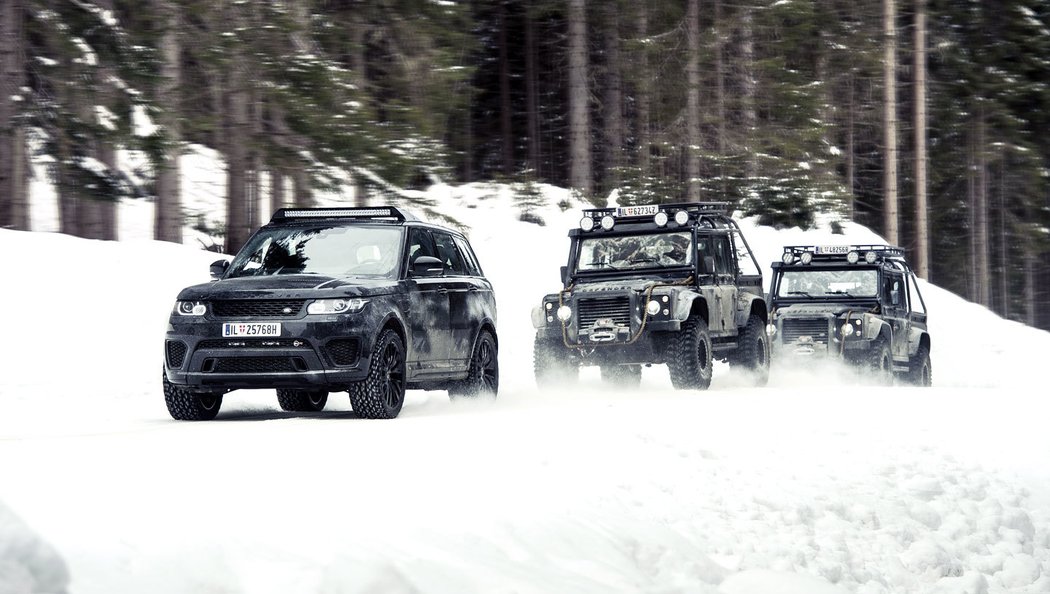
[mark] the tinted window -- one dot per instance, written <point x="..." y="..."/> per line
<point x="449" y="254"/>
<point x="468" y="256"/>
<point x="419" y="244"/>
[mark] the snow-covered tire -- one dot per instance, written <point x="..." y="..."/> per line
<point x="752" y="352"/>
<point x="382" y="393"/>
<point x="920" y="371"/>
<point x="184" y="405"/>
<point x="880" y="362"/>
<point x="689" y="359"/>
<point x="552" y="365"/>
<point x="622" y="376"/>
<point x="483" y="376"/>
<point x="302" y="400"/>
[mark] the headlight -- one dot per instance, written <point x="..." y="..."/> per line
<point x="564" y="313"/>
<point x="846" y="329"/>
<point x="335" y="306"/>
<point x="190" y="308"/>
<point x="771" y="329"/>
<point x="653" y="307"/>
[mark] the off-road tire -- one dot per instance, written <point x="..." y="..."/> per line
<point x="302" y="400"/>
<point x="689" y="358"/>
<point x="920" y="371"/>
<point x="184" y="405"/>
<point x="483" y="375"/>
<point x="622" y="376"/>
<point x="880" y="362"/>
<point x="552" y="365"/>
<point x="382" y="393"/>
<point x="752" y="352"/>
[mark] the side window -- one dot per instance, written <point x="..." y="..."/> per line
<point x="705" y="254"/>
<point x="419" y="244"/>
<point x="723" y="259"/>
<point x="893" y="294"/>
<point x="469" y="258"/>
<point x="917" y="305"/>
<point x="448" y="253"/>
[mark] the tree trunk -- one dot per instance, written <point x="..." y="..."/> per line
<point x="692" y="104"/>
<point x="237" y="219"/>
<point x="851" y="168"/>
<point x="643" y="91"/>
<point x="1004" y="241"/>
<point x="889" y="119"/>
<point x="747" y="51"/>
<point x="301" y="188"/>
<point x="971" y="195"/>
<point x="1030" y="260"/>
<point x="532" y="117"/>
<point x="14" y="203"/>
<point x="720" y="99"/>
<point x="506" y="129"/>
<point x="579" y="116"/>
<point x="167" y="220"/>
<point x="278" y="194"/>
<point x="922" y="231"/>
<point x="981" y="212"/>
<point x="613" y="120"/>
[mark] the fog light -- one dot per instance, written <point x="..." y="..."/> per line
<point x="564" y="313"/>
<point x="847" y="330"/>
<point x="652" y="308"/>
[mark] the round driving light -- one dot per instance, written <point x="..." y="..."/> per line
<point x="549" y="306"/>
<point x="788" y="258"/>
<point x="852" y="257"/>
<point x="198" y="309"/>
<point x="564" y="313"/>
<point x="608" y="222"/>
<point x="807" y="257"/>
<point x="870" y="257"/>
<point x="652" y="308"/>
<point x="660" y="219"/>
<point x="681" y="217"/>
<point x="847" y="330"/>
<point x="586" y="223"/>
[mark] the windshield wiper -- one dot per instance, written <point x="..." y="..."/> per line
<point x="846" y="293"/>
<point x="642" y="260"/>
<point x="602" y="265"/>
<point x="799" y="293"/>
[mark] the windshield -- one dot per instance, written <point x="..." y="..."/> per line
<point x="336" y="250"/>
<point x="631" y="252"/>
<point x="812" y="283"/>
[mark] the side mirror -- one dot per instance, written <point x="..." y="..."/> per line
<point x="564" y="275"/>
<point x="427" y="266"/>
<point x="219" y="268"/>
<point x="707" y="265"/>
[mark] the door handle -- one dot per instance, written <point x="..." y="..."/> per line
<point x="443" y="291"/>
<point x="473" y="289"/>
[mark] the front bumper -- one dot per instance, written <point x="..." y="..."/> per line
<point x="318" y="352"/>
<point x="817" y="337"/>
<point x="625" y="349"/>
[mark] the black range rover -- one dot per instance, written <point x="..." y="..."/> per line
<point x="371" y="301"/>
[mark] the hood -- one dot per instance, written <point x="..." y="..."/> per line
<point x="620" y="284"/>
<point x="819" y="309"/>
<point x="292" y="286"/>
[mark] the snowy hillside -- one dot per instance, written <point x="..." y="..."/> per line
<point x="813" y="484"/>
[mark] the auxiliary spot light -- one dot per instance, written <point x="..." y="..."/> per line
<point x="660" y="219"/>
<point x="807" y="257"/>
<point x="586" y="223"/>
<point x="681" y="217"/>
<point x="608" y="222"/>
<point x="852" y="257"/>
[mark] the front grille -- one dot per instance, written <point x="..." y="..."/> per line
<point x="254" y="365"/>
<point x="252" y="343"/>
<point x="616" y="308"/>
<point x="257" y="308"/>
<point x="342" y="351"/>
<point x="793" y="329"/>
<point x="176" y="353"/>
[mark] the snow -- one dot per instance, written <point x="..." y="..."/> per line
<point x="816" y="483"/>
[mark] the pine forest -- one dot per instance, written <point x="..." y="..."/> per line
<point x="925" y="120"/>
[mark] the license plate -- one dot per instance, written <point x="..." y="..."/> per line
<point x="251" y="329"/>
<point x="832" y="249"/>
<point x="637" y="211"/>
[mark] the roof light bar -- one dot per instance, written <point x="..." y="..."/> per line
<point x="386" y="212"/>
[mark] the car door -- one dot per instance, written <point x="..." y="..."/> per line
<point x="427" y="314"/>
<point x="726" y="289"/>
<point x="464" y="290"/>
<point x="895" y="311"/>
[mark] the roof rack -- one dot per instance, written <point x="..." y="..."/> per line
<point x="682" y="213"/>
<point x="852" y="254"/>
<point x="386" y="213"/>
